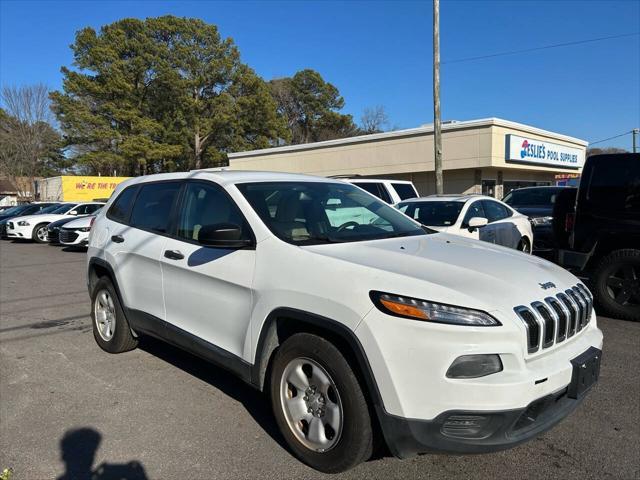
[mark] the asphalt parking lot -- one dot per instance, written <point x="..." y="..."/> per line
<point x="156" y="412"/>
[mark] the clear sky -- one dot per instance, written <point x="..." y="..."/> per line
<point x="380" y="53"/>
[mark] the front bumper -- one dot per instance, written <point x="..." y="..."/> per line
<point x="19" y="231"/>
<point x="409" y="360"/>
<point x="74" y="237"/>
<point x="476" y="431"/>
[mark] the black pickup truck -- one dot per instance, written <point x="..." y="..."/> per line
<point x="600" y="232"/>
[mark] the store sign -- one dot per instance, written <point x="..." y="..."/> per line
<point x="78" y="189"/>
<point x="528" y="150"/>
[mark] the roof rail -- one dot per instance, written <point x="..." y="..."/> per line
<point x="354" y="175"/>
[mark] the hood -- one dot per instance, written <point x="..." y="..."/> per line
<point x="455" y="270"/>
<point x="40" y="218"/>
<point x="61" y="222"/>
<point x="535" y="211"/>
<point x="81" y="222"/>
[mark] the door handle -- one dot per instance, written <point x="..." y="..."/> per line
<point x="173" y="254"/>
<point x="117" y="238"/>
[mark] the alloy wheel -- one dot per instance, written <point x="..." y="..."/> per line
<point x="623" y="285"/>
<point x="42" y="234"/>
<point x="105" y="315"/>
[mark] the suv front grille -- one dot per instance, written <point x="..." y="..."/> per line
<point x="556" y="318"/>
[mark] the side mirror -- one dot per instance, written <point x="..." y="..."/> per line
<point x="73" y="212"/>
<point x="477" y="222"/>
<point x="223" y="235"/>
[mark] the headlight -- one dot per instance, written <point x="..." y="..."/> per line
<point x="431" y="312"/>
<point x="85" y="229"/>
<point x="541" y="221"/>
<point x="23" y="223"/>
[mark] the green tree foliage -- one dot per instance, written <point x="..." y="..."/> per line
<point x="310" y="106"/>
<point x="29" y="146"/>
<point x="162" y="94"/>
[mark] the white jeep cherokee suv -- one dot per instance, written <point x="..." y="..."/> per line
<point x="355" y="329"/>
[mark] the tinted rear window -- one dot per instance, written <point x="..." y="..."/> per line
<point x="374" y="188"/>
<point x="405" y="190"/>
<point x="120" y="209"/>
<point x="531" y="197"/>
<point x="614" y="185"/>
<point x="153" y="206"/>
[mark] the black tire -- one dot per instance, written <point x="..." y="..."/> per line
<point x="615" y="284"/>
<point x="34" y="234"/>
<point x="355" y="443"/>
<point x="524" y="245"/>
<point x="121" y="340"/>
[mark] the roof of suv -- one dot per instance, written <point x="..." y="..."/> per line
<point x="231" y="176"/>
<point x="350" y="178"/>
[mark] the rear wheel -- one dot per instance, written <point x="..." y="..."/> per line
<point x="319" y="405"/>
<point x="616" y="284"/>
<point x="39" y="234"/>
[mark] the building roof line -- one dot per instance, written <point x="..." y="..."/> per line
<point x="463" y="125"/>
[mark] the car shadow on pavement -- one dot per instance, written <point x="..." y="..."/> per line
<point x="78" y="449"/>
<point x="254" y="401"/>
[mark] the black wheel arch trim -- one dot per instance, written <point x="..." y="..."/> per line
<point x="263" y="355"/>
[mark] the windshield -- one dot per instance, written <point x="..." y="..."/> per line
<point x="15" y="210"/>
<point x="48" y="209"/>
<point x="60" y="209"/>
<point x="433" y="214"/>
<point x="531" y="196"/>
<point x="309" y="213"/>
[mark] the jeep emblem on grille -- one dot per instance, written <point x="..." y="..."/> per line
<point x="547" y="285"/>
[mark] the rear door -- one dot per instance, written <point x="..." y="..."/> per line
<point x="501" y="230"/>
<point x="135" y="241"/>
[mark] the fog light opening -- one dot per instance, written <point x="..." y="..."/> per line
<point x="474" y="366"/>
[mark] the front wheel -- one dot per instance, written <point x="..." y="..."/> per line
<point x="39" y="234"/>
<point x="319" y="405"/>
<point x="616" y="284"/>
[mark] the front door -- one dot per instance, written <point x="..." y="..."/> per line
<point x="207" y="291"/>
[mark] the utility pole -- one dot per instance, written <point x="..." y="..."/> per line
<point x="437" y="124"/>
<point x="635" y="132"/>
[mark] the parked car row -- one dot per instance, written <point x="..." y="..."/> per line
<point x="64" y="223"/>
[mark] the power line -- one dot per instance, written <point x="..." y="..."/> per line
<point x="610" y="138"/>
<point x="557" y="45"/>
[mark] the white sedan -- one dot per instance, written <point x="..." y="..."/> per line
<point x="34" y="227"/>
<point x="472" y="216"/>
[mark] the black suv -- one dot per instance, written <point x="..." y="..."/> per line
<point x="538" y="204"/>
<point x="603" y="232"/>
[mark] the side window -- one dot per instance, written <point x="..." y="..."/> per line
<point x="374" y="188"/>
<point x="474" y="210"/>
<point x="207" y="204"/>
<point x="404" y="190"/>
<point x="495" y="211"/>
<point x="83" y="209"/>
<point x="92" y="208"/>
<point x="614" y="187"/>
<point x="153" y="206"/>
<point x="119" y="210"/>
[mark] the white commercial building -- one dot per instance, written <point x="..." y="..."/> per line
<point x="490" y="156"/>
